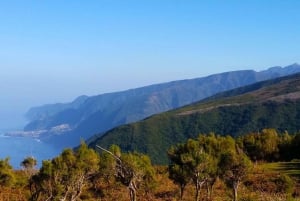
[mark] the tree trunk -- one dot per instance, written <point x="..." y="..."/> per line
<point x="181" y="191"/>
<point x="132" y="194"/>
<point x="235" y="190"/>
<point x="209" y="188"/>
<point x="198" y="189"/>
<point x="78" y="188"/>
<point x="209" y="191"/>
<point x="34" y="192"/>
<point x="132" y="191"/>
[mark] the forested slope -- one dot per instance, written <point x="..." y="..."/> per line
<point x="269" y="104"/>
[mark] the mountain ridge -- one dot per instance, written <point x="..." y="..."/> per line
<point x="86" y="116"/>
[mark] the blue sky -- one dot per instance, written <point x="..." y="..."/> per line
<point x="52" y="50"/>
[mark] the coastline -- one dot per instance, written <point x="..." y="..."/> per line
<point x="32" y="134"/>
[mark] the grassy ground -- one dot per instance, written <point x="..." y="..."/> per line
<point x="292" y="169"/>
<point x="289" y="168"/>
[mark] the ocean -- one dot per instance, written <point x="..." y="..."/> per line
<point x="18" y="148"/>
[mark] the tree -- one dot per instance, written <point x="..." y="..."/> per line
<point x="64" y="177"/>
<point x="42" y="184"/>
<point x="7" y="177"/>
<point x="108" y="163"/>
<point x="270" y="141"/>
<point x="135" y="168"/>
<point x="29" y="165"/>
<point x="178" y="171"/>
<point x="190" y="162"/>
<point x="132" y="169"/>
<point x="292" y="149"/>
<point x="214" y="146"/>
<point x="180" y="176"/>
<point x="198" y="163"/>
<point x="261" y="146"/>
<point x="234" y="167"/>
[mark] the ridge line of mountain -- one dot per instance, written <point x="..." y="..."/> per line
<point x="86" y="116"/>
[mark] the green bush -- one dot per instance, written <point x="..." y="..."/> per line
<point x="284" y="184"/>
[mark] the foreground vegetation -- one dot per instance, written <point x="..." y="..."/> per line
<point x="257" y="166"/>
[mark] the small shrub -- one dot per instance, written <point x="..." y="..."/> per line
<point x="284" y="184"/>
<point x="270" y="183"/>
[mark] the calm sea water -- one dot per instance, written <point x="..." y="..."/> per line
<point x="18" y="148"/>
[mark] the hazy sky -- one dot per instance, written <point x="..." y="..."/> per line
<point x="53" y="50"/>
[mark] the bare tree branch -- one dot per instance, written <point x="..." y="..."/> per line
<point x="116" y="157"/>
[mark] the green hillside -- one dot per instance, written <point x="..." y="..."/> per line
<point x="269" y="104"/>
